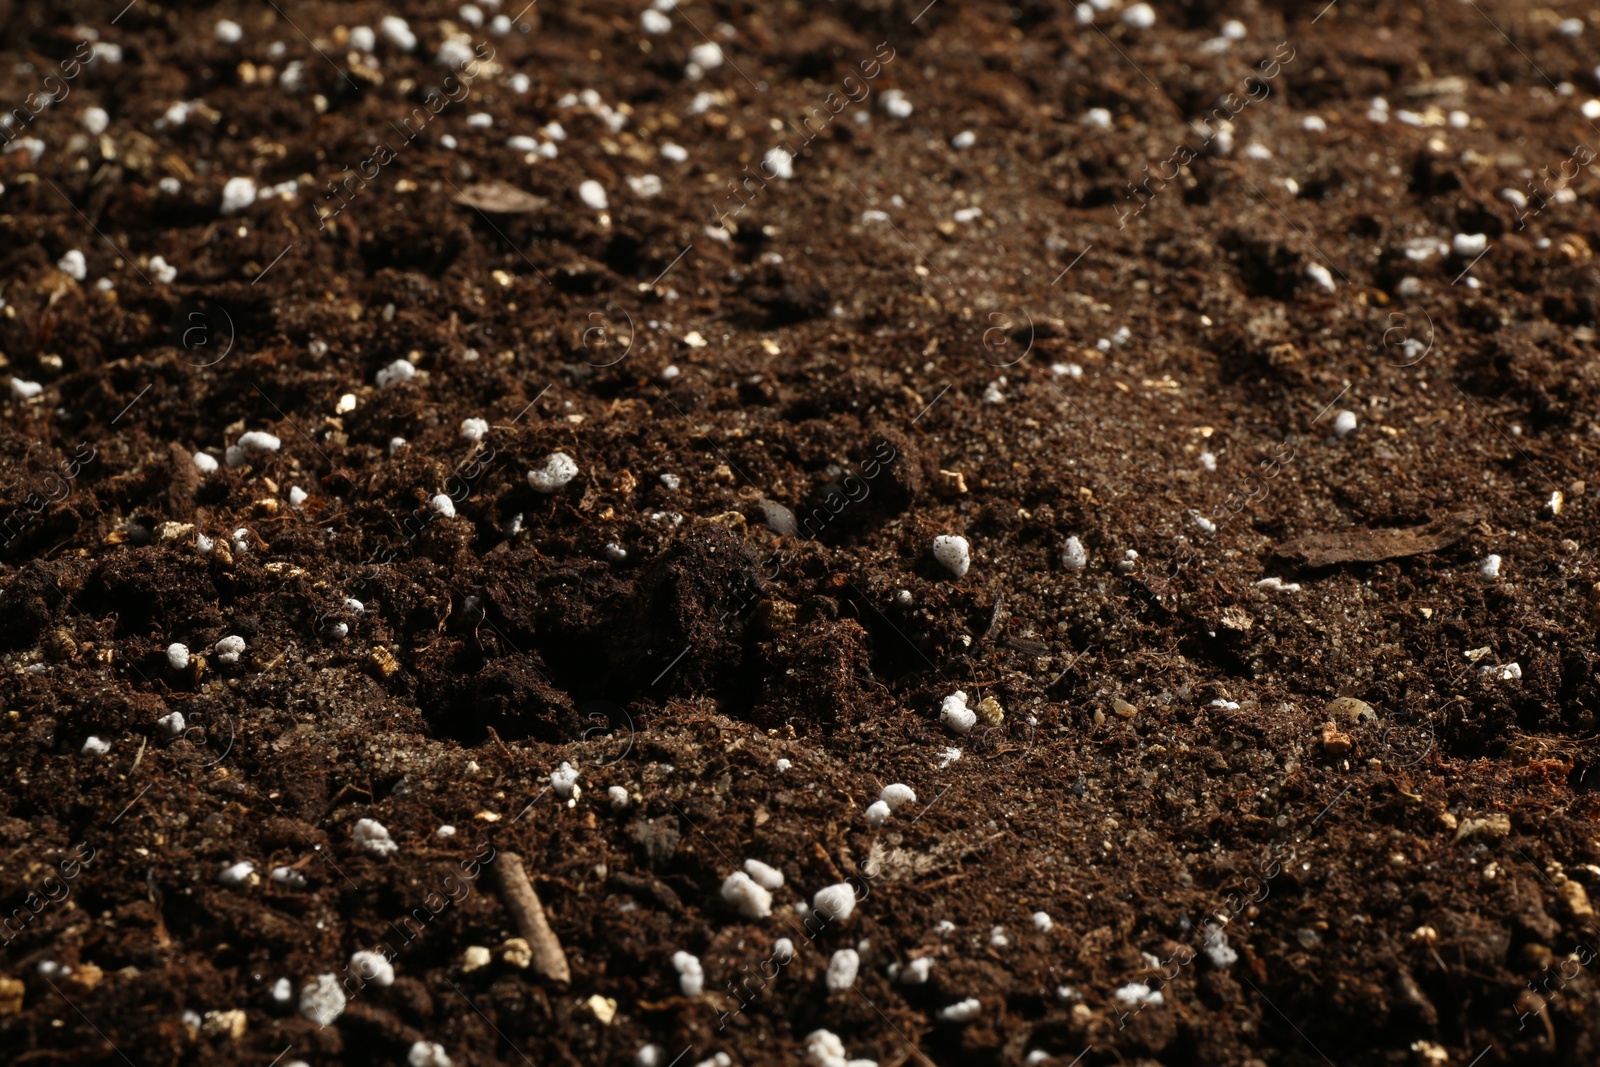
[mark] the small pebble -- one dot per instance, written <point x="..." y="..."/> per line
<point x="835" y="901"/>
<point x="962" y="1011"/>
<point x="842" y="970"/>
<point x="706" y="55"/>
<point x="1321" y="275"/>
<point x="259" y="441"/>
<point x="564" y="781"/>
<point x="917" y="971"/>
<point x="372" y="967"/>
<point x="288" y="876"/>
<point x="1137" y="993"/>
<point x="691" y="978"/>
<point x="780" y="163"/>
<point x="956" y="716"/>
<point x="238" y="194"/>
<point x="397" y="32"/>
<point x="952" y="553"/>
<point x="824" y="1049"/>
<point x="372" y="836"/>
<point x="427" y="1054"/>
<point x="558" y="470"/>
<point x="897" y="796"/>
<point x="896" y="104"/>
<point x="400" y="370"/>
<point x="236" y="874"/>
<point x="73" y="265"/>
<point x="1073" y="556"/>
<point x="877" y="814"/>
<point x="1349" y="710"/>
<point x="229" y="649"/>
<point x="1278" y="585"/>
<point x="746" y="897"/>
<point x="1139" y="16"/>
<point x="322" y="1000"/>
<point x="1219" y="953"/>
<point x="766" y="877"/>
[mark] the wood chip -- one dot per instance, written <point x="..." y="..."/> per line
<point x="548" y="957"/>
<point x="501" y="198"/>
<point x="1374" y="546"/>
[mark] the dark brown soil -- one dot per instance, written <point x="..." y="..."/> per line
<point x="1403" y="881"/>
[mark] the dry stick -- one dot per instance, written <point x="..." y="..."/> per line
<point x="548" y="957"/>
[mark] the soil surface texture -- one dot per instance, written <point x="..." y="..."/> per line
<point x="472" y="479"/>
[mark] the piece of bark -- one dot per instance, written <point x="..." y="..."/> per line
<point x="1374" y="546"/>
<point x="184" y="485"/>
<point x="499" y="198"/>
<point x="641" y="885"/>
<point x="548" y="957"/>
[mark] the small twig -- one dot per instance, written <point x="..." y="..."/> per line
<point x="548" y="957"/>
<point x="502" y="745"/>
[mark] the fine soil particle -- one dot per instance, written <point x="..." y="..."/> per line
<point x="1213" y="298"/>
